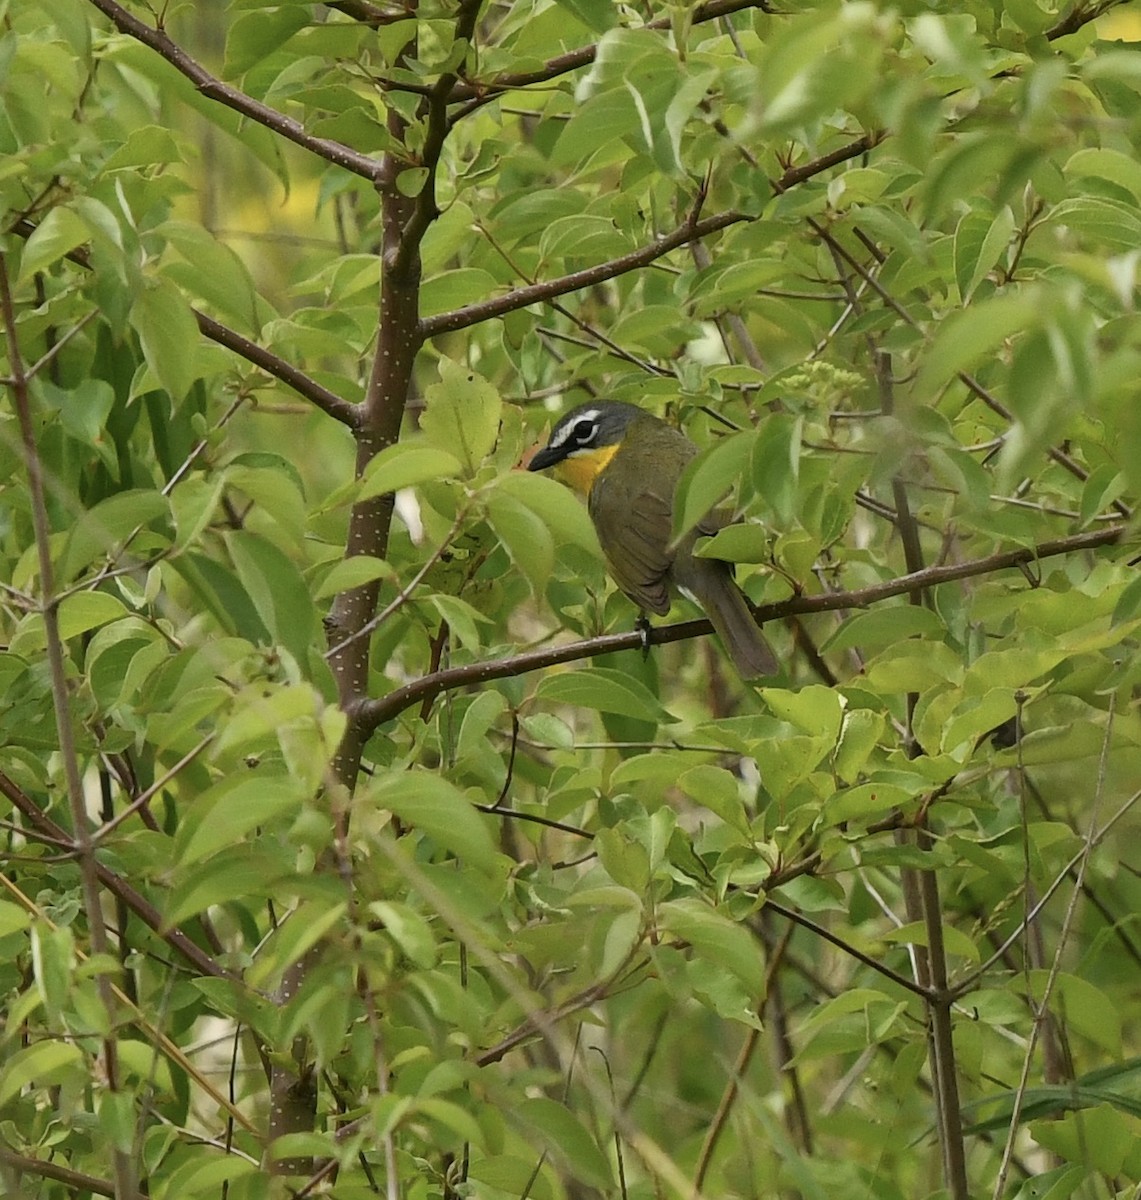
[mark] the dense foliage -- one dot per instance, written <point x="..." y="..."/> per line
<point x="349" y="842"/>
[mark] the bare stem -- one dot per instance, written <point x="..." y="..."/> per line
<point x="126" y="1179"/>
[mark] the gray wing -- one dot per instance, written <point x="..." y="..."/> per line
<point x="633" y="529"/>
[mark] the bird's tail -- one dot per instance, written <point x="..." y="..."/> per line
<point x="714" y="587"/>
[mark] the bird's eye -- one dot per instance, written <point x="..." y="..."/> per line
<point x="584" y="432"/>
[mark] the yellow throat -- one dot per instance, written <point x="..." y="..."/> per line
<point x="580" y="470"/>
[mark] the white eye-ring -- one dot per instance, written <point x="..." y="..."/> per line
<point x="582" y="430"/>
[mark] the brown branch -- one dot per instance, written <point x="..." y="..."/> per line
<point x="214" y="89"/>
<point x="285" y="372"/>
<point x="76" y="1181"/>
<point x="370" y="14"/>
<point x="794" y="175"/>
<point x="1078" y="17"/>
<point x="692" y="231"/>
<point x="425" y="209"/>
<point x="498" y="306"/>
<point x="539" y="1020"/>
<point x="272" y="364"/>
<point x="117" y="886"/>
<point x="482" y="90"/>
<point x="372" y="713"/>
<point x="790" y="914"/>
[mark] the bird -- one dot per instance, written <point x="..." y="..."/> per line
<point x="627" y="462"/>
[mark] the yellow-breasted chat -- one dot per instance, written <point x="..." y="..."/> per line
<point x="627" y="464"/>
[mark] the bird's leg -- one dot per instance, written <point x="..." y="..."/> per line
<point x="643" y="626"/>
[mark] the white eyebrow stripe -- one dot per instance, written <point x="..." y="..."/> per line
<point x="561" y="435"/>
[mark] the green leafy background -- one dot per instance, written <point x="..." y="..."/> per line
<point x="619" y="925"/>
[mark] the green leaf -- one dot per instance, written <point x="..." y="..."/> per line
<point x="405" y="465"/>
<point x="1104" y="223"/>
<point x="715" y="938"/>
<point x="204" y="1172"/>
<point x="884" y="626"/>
<point x="146" y="146"/>
<point x="103" y="528"/>
<point x="581" y="236"/>
<point x="462" y="415"/>
<point x="971" y="334"/>
<point x="525" y="537"/>
<point x="262" y="713"/>
<point x="1100" y="163"/>
<point x="116" y="1116"/>
<point x="605" y="690"/>
<point x="146" y="1064"/>
<point x="410" y="182"/>
<point x="719" y="791"/>
<point x="559" y="1131"/>
<point x="511" y="1174"/>
<point x="43" y="1063"/>
<point x="1058" y="1184"/>
<point x="865" y="801"/>
<point x="1128" y="603"/>
<point x="409" y="930"/>
<point x="272" y="482"/>
<point x="741" y="543"/>
<point x="352" y="572"/>
<point x="1098" y="1137"/>
<point x="600" y="126"/>
<point x="278" y="592"/>
<point x="224" y="814"/>
<point x="168" y="334"/>
<point x="464" y="620"/>
<point x="979" y="244"/>
<point x="440" y="810"/>
<point x="237" y="873"/>
<point x="82" y="611"/>
<point x="56" y="235"/>
<point x="253" y="36"/>
<point x="707" y="480"/>
<point x="84" y="412"/>
<point x="916" y="934"/>
<point x="597" y="15"/>
<point x="13" y="919"/>
<point x="564" y="516"/>
<point x="456" y="289"/>
<point x="452" y="1117"/>
<point x="193" y="505"/>
<point x="623" y="858"/>
<point x="1104" y="485"/>
<point x="1084" y="1007"/>
<point x="53" y="960"/>
<point x="292" y="939"/>
<point x="815" y="710"/>
<point x="860" y="733"/>
<point x="776" y="464"/>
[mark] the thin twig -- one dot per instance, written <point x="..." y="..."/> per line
<point x="854" y="951"/>
<point x="145" y="797"/>
<point x="971" y="981"/>
<point x="1056" y="965"/>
